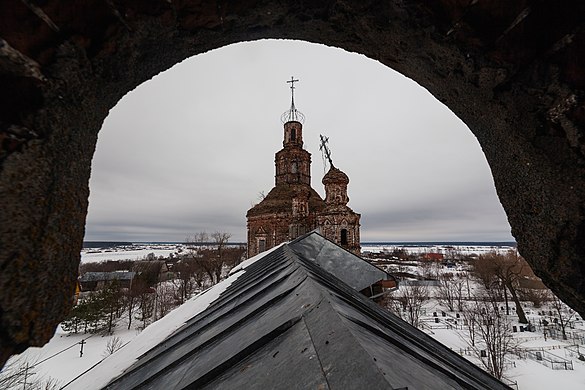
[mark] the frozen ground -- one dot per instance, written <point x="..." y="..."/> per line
<point x="135" y="252"/>
<point x="444" y="249"/>
<point x="528" y="374"/>
<point x="139" y="251"/>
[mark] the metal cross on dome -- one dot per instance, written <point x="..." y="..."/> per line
<point x="292" y="82"/>
<point x="292" y="114"/>
<point x="326" y="152"/>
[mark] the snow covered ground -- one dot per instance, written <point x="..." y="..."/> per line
<point x="134" y="252"/>
<point x="60" y="358"/>
<point x="528" y="374"/>
<point x="141" y="250"/>
<point x="463" y="249"/>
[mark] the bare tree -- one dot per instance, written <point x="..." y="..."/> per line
<point x="142" y="296"/>
<point x="186" y="269"/>
<point x="220" y="240"/>
<point x="450" y="292"/>
<point x="429" y="269"/>
<point x="146" y="306"/>
<point x="563" y="314"/>
<point x="114" y="343"/>
<point x="492" y="336"/>
<point x="503" y="271"/>
<point x="19" y="373"/>
<point x="141" y="291"/>
<point x="213" y="257"/>
<point x="538" y="296"/>
<point x="471" y="317"/>
<point x="165" y="299"/>
<point x="407" y="302"/>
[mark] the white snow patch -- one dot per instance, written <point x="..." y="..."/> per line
<point x="134" y="254"/>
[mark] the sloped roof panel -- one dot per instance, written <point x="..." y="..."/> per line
<point x="348" y="267"/>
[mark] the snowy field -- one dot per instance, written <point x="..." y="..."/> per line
<point x="59" y="362"/>
<point x="140" y="251"/>
<point x="133" y="252"/>
<point x="526" y="374"/>
<point x="443" y="249"/>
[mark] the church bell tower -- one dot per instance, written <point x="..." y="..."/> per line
<point x="293" y="163"/>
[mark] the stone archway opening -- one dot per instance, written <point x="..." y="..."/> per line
<point x="514" y="73"/>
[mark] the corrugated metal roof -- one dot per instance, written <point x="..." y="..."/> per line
<point x="287" y="322"/>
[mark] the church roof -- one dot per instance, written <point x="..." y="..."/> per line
<point x="279" y="200"/>
<point x="287" y="322"/>
<point x="335" y="175"/>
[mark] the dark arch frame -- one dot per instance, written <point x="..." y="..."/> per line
<point x="512" y="71"/>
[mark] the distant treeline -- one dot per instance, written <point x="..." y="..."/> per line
<point x="104" y="244"/>
<point x="114" y="244"/>
<point x="441" y="243"/>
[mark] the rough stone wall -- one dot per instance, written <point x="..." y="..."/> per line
<point x="513" y="71"/>
<point x="277" y="227"/>
<point x="286" y="173"/>
<point x="337" y="219"/>
<point x="332" y="222"/>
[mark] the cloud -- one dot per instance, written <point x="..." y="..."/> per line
<point x="191" y="149"/>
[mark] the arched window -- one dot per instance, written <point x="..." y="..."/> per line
<point x="294" y="167"/>
<point x="343" y="236"/>
<point x="293" y="134"/>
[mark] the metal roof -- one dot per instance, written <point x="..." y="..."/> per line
<point x="287" y="322"/>
<point x="348" y="267"/>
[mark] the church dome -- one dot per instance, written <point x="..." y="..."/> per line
<point x="335" y="176"/>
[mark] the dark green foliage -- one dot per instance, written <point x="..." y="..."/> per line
<point x="97" y="311"/>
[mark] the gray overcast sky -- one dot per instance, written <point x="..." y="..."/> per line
<point x="191" y="149"/>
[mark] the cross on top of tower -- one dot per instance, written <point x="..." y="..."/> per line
<point x="292" y="82"/>
<point x="292" y="115"/>
<point x="326" y="152"/>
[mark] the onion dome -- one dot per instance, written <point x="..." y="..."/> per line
<point x="335" y="176"/>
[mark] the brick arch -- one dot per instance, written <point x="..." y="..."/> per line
<point x="513" y="73"/>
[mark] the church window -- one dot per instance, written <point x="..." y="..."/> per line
<point x="293" y="134"/>
<point x="343" y="236"/>
<point x="294" y="167"/>
<point x="261" y="245"/>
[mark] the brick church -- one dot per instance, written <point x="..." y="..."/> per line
<point x="293" y="208"/>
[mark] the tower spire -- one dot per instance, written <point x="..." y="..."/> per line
<point x="292" y="115"/>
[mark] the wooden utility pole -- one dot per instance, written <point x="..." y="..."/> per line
<point x="82" y="343"/>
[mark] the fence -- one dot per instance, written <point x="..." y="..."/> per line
<point x="545" y="358"/>
<point x="573" y="351"/>
<point x="573" y="336"/>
